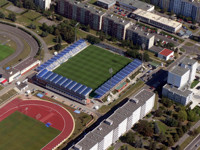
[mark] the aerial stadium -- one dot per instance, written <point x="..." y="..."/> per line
<point x="82" y="70"/>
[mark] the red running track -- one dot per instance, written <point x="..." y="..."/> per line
<point x="45" y="112"/>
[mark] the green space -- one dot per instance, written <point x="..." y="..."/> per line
<point x="1" y="87"/>
<point x="3" y="2"/>
<point x="92" y="1"/>
<point x="189" y="44"/>
<point x="5" y="51"/>
<point x="19" y="131"/>
<point x="91" y="66"/>
<point x="32" y="14"/>
<point x="163" y="127"/>
<point x="7" y="95"/>
<point x="194" y="83"/>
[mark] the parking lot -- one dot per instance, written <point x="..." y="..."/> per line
<point x="119" y="11"/>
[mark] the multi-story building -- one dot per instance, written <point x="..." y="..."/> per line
<point x="106" y="3"/>
<point x="115" y="26"/>
<point x="44" y="4"/>
<point x="157" y="21"/>
<point x="81" y="12"/>
<point x="109" y="130"/>
<point x="133" y="5"/>
<point x="188" y="8"/>
<point x="179" y="80"/>
<point x="139" y="36"/>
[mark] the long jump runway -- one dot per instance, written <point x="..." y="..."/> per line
<point x="45" y="112"/>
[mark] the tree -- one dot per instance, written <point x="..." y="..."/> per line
<point x="161" y="138"/>
<point x="28" y="4"/>
<point x="146" y="57"/>
<point x="158" y="112"/>
<point x="139" y="143"/>
<point x="44" y="27"/>
<point x="156" y="128"/>
<point x="44" y="34"/>
<point x="2" y="15"/>
<point x="32" y="26"/>
<point x="170" y="141"/>
<point x="163" y="147"/>
<point x="179" y="132"/>
<point x="168" y="103"/>
<point x="12" y="17"/>
<point x="144" y="128"/>
<point x="191" y="116"/>
<point x="177" y="147"/>
<point x="175" y="137"/>
<point x="182" y="115"/>
<point x="92" y="39"/>
<point x="152" y="145"/>
<point x="58" y="47"/>
<point x="59" y="18"/>
<point x="171" y="122"/>
<point x="128" y="138"/>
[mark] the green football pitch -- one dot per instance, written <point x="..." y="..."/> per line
<point x="5" y="51"/>
<point x="91" y="66"/>
<point x="20" y="132"/>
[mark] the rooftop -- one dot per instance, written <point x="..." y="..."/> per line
<point x="179" y="70"/>
<point x="184" y="93"/>
<point x="107" y="1"/>
<point x="10" y="72"/>
<point x="188" y="61"/>
<point x="25" y="63"/>
<point x="117" y="19"/>
<point x="137" y="4"/>
<point x="140" y="31"/>
<point x="166" y="52"/>
<point x="157" y="18"/>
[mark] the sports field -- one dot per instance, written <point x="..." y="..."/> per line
<point x="5" y="51"/>
<point x="91" y="66"/>
<point x="20" y="132"/>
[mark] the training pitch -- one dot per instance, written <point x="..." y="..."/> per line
<point x="21" y="132"/>
<point x="5" y="51"/>
<point x="91" y="66"/>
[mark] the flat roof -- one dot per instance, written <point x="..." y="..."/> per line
<point x="166" y="52"/>
<point x="179" y="70"/>
<point x="140" y="31"/>
<point x="25" y="63"/>
<point x="10" y="72"/>
<point x="188" y="61"/>
<point x="136" y="4"/>
<point x="117" y="19"/>
<point x="184" y="93"/>
<point x="157" y="18"/>
<point x="107" y="1"/>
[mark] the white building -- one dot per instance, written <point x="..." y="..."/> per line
<point x="157" y="21"/>
<point x="166" y="54"/>
<point x="179" y="80"/>
<point x="178" y="76"/>
<point x="109" y="131"/>
<point x="106" y="3"/>
<point x="44" y="4"/>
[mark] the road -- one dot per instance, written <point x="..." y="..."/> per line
<point x="194" y="145"/>
<point x="16" y="35"/>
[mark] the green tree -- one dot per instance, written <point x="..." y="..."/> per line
<point x="12" y="17"/>
<point x="156" y="128"/>
<point x="44" y="34"/>
<point x="182" y="115"/>
<point x="128" y="138"/>
<point x="179" y="132"/>
<point x="161" y="138"/>
<point x="152" y="145"/>
<point x="170" y="141"/>
<point x="2" y="15"/>
<point x="58" y="47"/>
<point x="144" y="128"/>
<point x="175" y="137"/>
<point x="146" y="57"/>
<point x="92" y="39"/>
<point x="163" y="147"/>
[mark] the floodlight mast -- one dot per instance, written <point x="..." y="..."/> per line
<point x="75" y="32"/>
<point x="110" y="71"/>
<point x="143" y="47"/>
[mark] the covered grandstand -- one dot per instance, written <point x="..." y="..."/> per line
<point x="118" y="78"/>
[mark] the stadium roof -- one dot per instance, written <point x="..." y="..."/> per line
<point x="118" y="77"/>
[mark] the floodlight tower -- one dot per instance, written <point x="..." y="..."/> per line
<point x="110" y="71"/>
<point x="143" y="47"/>
<point x="75" y="32"/>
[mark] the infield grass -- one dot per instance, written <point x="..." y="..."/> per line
<point x="91" y="66"/>
<point x="5" y="51"/>
<point x="20" y="132"/>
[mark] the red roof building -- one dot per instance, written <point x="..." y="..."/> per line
<point x="166" y="54"/>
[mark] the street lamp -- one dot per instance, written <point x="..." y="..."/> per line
<point x="110" y="71"/>
<point x="75" y="32"/>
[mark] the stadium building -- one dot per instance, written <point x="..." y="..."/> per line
<point x="48" y="78"/>
<point x="20" y="69"/>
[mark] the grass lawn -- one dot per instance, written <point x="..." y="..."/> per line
<point x="5" y="51"/>
<point x="2" y="2"/>
<point x="7" y="95"/>
<point x="194" y="83"/>
<point x="189" y="44"/>
<point x="163" y="128"/>
<point x="91" y="66"/>
<point x="32" y="14"/>
<point x="19" y="131"/>
<point x="92" y="1"/>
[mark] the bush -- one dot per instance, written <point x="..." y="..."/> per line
<point x="93" y="39"/>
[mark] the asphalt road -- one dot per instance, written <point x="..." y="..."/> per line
<point x="16" y="35"/>
<point x="194" y="145"/>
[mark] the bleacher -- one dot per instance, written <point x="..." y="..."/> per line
<point x="63" y="56"/>
<point x="64" y="83"/>
<point x="117" y="78"/>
